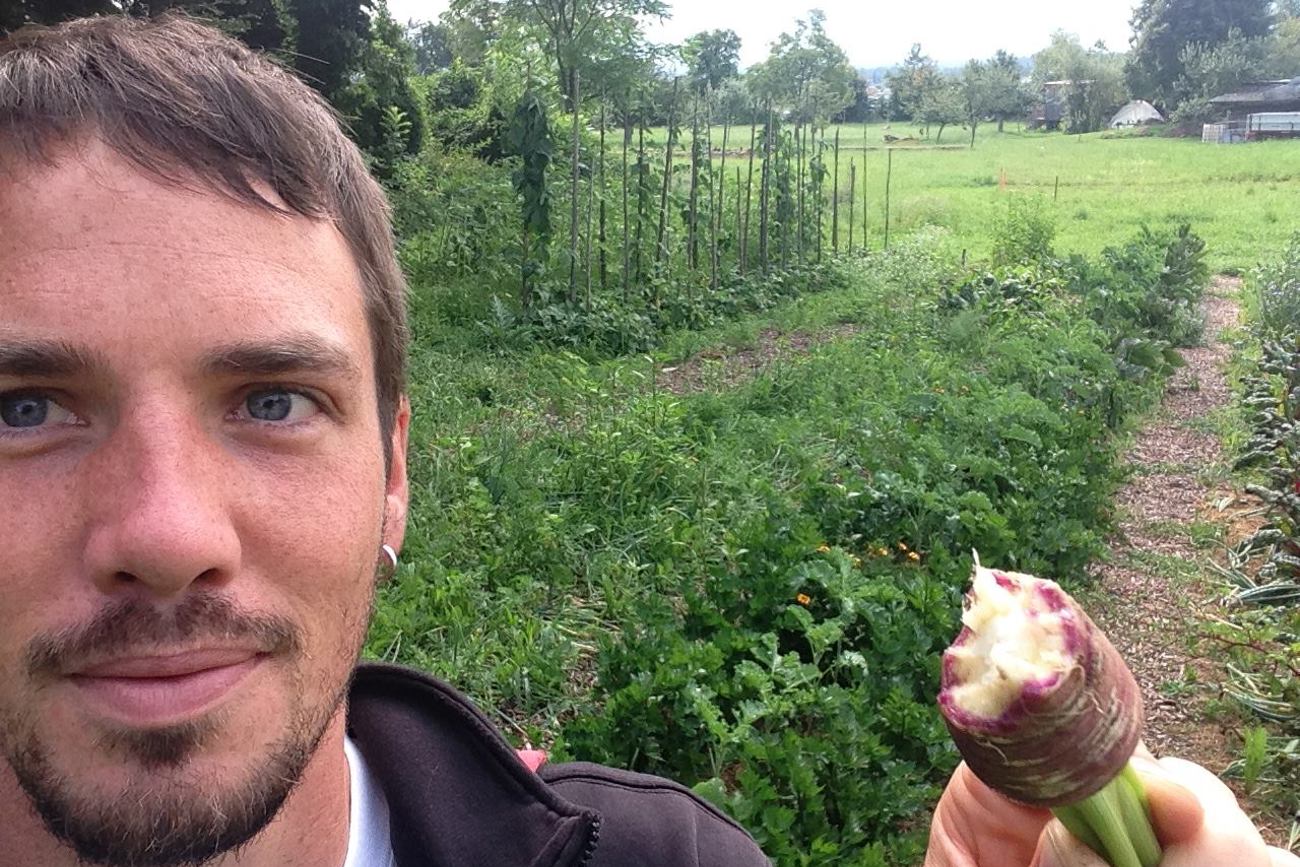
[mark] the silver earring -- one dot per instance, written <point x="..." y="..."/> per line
<point x="392" y="555"/>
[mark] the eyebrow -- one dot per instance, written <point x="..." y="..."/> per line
<point x="294" y="353"/>
<point x="47" y="358"/>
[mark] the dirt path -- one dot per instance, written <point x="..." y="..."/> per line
<point x="722" y="368"/>
<point x="1155" y="591"/>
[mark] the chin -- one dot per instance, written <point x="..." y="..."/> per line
<point x="174" y="795"/>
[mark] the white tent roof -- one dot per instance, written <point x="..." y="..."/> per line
<point x="1136" y="112"/>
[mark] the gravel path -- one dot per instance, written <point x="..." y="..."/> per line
<point x="1152" y="594"/>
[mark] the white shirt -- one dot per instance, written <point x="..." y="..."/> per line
<point x="369" y="843"/>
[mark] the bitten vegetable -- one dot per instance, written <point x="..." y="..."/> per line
<point x="1045" y="711"/>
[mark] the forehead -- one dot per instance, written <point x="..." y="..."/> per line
<point x="92" y="249"/>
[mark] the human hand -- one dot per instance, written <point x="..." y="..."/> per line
<point x="1195" y="815"/>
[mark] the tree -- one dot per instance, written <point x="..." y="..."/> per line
<point x="1284" y="48"/>
<point x="807" y="74"/>
<point x="584" y="38"/>
<point x="712" y="57"/>
<point x="912" y="83"/>
<point x="979" y="89"/>
<point x="942" y="104"/>
<point x="1093" y="80"/>
<point x="1005" y="95"/>
<point x="1211" y="70"/>
<point x="329" y="39"/>
<point x="432" y="43"/>
<point x="386" y="119"/>
<point x="1162" y="29"/>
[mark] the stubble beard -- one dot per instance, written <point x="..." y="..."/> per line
<point x="167" y="815"/>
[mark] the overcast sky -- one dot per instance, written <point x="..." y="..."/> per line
<point x="880" y="34"/>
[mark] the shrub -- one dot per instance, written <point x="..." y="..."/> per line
<point x="1023" y="232"/>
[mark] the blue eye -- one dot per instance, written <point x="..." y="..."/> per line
<point x="279" y="405"/>
<point x="24" y="410"/>
<point x="29" y="410"/>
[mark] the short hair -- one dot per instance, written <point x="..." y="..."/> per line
<point x="184" y="102"/>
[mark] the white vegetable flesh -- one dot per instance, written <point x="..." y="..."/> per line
<point x="1018" y="640"/>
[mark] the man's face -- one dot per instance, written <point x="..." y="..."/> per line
<point x="192" y="500"/>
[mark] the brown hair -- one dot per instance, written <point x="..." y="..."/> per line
<point x="182" y="101"/>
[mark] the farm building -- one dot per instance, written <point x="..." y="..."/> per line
<point x="1260" y="98"/>
<point x="1049" y="113"/>
<point x="1136" y="113"/>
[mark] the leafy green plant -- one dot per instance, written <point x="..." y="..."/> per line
<point x="1023" y="232"/>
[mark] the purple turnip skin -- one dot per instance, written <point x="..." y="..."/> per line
<point x="1065" y="735"/>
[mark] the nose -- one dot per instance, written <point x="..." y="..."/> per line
<point x="160" y="519"/>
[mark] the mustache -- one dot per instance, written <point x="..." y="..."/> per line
<point x="135" y="625"/>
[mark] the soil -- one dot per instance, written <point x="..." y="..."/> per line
<point x="1155" y="590"/>
<point x="721" y="369"/>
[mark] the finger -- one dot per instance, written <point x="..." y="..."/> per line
<point x="1282" y="858"/>
<point x="1057" y="847"/>
<point x="973" y="825"/>
<point x="1176" y="813"/>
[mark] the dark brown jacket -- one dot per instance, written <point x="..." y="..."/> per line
<point x="458" y="795"/>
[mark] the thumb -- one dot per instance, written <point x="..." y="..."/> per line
<point x="1057" y="847"/>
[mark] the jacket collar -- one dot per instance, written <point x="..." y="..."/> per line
<point x="458" y="795"/>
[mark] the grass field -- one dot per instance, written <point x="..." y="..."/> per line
<point x="1243" y="199"/>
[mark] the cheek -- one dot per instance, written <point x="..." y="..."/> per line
<point x="39" y="538"/>
<point x="314" y="538"/>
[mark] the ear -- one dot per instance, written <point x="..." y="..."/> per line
<point x="398" y="492"/>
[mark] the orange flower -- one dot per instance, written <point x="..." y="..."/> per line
<point x="823" y="548"/>
<point x="803" y="599"/>
<point x="913" y="556"/>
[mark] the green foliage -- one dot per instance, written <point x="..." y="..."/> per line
<point x="1162" y="30"/>
<point x="941" y="105"/>
<point x="329" y="39"/>
<point x="1023" y="232"/>
<point x="380" y="86"/>
<point x="807" y="75"/>
<point x="781" y="564"/>
<point x="462" y="111"/>
<point x="1094" y="79"/>
<point x="455" y="227"/>
<point x="1212" y="70"/>
<point x="911" y="84"/>
<point x="1147" y="290"/>
<point x="530" y="140"/>
<point x="712" y="58"/>
<point x="1263" y="637"/>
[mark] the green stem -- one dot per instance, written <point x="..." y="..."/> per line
<point x="1115" y="823"/>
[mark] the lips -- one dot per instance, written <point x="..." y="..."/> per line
<point x="156" y="690"/>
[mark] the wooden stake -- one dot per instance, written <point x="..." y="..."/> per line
<point x="627" y="135"/>
<point x="853" y="198"/>
<point x="765" y="192"/>
<point x="889" y="176"/>
<point x="835" y="201"/>
<point x="573" y="195"/>
<point x="749" y="191"/>
<point x="661" y="249"/>
<point x="601" y="238"/>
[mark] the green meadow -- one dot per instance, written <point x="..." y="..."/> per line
<point x="1243" y="199"/>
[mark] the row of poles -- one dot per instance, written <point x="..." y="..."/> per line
<point x="786" y="162"/>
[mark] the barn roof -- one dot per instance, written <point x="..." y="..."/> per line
<point x="1262" y="93"/>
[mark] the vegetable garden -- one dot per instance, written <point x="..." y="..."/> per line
<point x="748" y="590"/>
